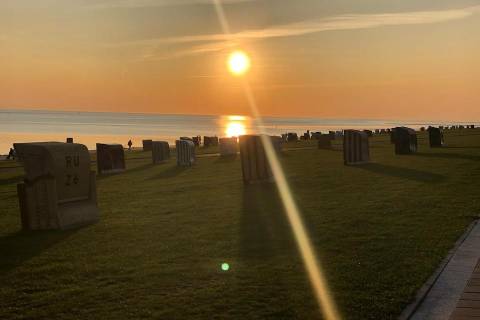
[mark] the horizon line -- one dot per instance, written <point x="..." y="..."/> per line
<point x="2" y="109"/>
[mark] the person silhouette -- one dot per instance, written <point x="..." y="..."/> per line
<point x="130" y="144"/>
<point x="11" y="154"/>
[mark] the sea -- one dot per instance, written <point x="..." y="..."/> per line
<point x="114" y="127"/>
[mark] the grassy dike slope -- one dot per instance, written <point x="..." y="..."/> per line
<point x="379" y="230"/>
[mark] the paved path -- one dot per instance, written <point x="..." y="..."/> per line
<point x="445" y="288"/>
<point x="468" y="307"/>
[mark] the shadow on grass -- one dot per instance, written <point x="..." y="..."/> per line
<point x="170" y="172"/>
<point x="103" y="176"/>
<point x="332" y="149"/>
<point x="268" y="248"/>
<point x="21" y="246"/>
<point x="140" y="168"/>
<point x="381" y="146"/>
<point x="461" y="147"/>
<point x="445" y="155"/>
<point x="8" y="194"/>
<point x="264" y="228"/>
<point x="405" y="173"/>
<point x="336" y="148"/>
<point x="12" y="180"/>
<point x="227" y="159"/>
<point x="127" y="171"/>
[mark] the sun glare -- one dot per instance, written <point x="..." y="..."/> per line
<point x="235" y="129"/>
<point x="238" y="63"/>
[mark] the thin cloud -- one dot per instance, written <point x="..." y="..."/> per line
<point x="342" y="22"/>
<point x="154" y="3"/>
<point x="208" y="43"/>
<point x="156" y="54"/>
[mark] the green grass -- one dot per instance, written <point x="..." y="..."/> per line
<point x="380" y="230"/>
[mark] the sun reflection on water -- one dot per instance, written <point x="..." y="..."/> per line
<point x="235" y="126"/>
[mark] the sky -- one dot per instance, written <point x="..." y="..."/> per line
<point x="383" y="59"/>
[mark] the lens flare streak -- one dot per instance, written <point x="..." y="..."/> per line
<point x="312" y="265"/>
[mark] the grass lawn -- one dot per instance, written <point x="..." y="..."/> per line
<point x="380" y="230"/>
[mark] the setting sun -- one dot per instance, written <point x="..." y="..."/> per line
<point x="238" y="63"/>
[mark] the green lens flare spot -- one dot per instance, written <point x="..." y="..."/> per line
<point x="225" y="267"/>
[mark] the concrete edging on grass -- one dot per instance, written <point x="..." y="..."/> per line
<point x="410" y="310"/>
